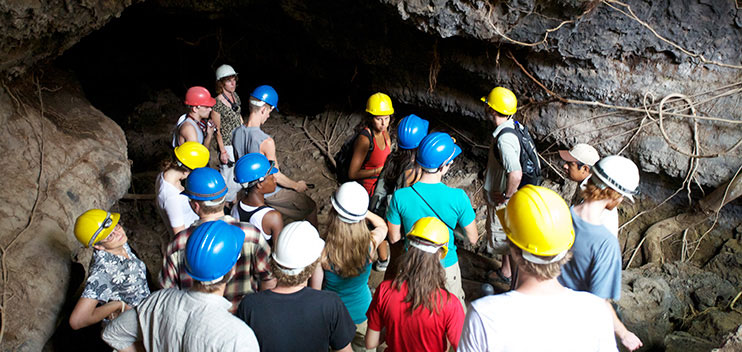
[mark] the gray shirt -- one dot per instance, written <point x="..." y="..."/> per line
<point x="247" y="140"/>
<point x="496" y="179"/>
<point x="175" y="320"/>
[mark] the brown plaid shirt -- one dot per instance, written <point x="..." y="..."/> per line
<point x="253" y="265"/>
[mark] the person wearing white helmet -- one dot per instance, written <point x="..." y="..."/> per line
<point x="227" y="116"/>
<point x="292" y="316"/>
<point x="350" y="247"/>
<point x="596" y="263"/>
<point x="579" y="162"/>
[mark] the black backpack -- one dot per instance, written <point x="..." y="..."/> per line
<point x="529" y="162"/>
<point x="345" y="154"/>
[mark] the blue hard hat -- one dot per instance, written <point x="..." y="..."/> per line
<point x="436" y="150"/>
<point x="411" y="130"/>
<point x="253" y="167"/>
<point x="205" y="183"/>
<point x="212" y="250"/>
<point x="267" y="94"/>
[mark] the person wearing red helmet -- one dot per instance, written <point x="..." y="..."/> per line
<point x="194" y="126"/>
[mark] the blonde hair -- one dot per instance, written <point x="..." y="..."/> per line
<point x="542" y="272"/>
<point x="347" y="246"/>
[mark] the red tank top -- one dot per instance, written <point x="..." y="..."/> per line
<point x="376" y="159"/>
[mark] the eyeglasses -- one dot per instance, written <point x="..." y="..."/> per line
<point x="107" y="222"/>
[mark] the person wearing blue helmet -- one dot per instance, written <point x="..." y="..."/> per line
<point x="207" y="191"/>
<point x="198" y="318"/>
<point x="429" y="197"/>
<point x="289" y="197"/>
<point x="400" y="170"/>
<point x="257" y="176"/>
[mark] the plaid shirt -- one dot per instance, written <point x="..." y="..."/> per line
<point x="253" y="265"/>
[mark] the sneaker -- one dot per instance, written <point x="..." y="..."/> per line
<point x="381" y="266"/>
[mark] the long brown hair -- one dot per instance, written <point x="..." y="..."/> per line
<point x="425" y="278"/>
<point x="347" y="246"/>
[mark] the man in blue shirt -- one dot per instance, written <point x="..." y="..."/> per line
<point x="596" y="263"/>
<point x="429" y="197"/>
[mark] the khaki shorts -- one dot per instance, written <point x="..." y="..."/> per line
<point x="228" y="175"/>
<point x="453" y="283"/>
<point x="291" y="204"/>
<point x="496" y="239"/>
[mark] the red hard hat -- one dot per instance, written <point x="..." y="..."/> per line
<point x="199" y="96"/>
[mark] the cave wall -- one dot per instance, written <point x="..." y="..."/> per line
<point x="435" y="58"/>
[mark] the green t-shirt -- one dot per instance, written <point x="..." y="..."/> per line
<point x="451" y="204"/>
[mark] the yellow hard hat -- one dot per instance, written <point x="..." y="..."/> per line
<point x="94" y="226"/>
<point x="192" y="155"/>
<point x="502" y="100"/>
<point x="432" y="230"/>
<point x="538" y="221"/>
<point x="379" y="104"/>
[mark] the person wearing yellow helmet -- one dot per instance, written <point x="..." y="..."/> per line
<point x="507" y="169"/>
<point x="415" y="308"/>
<point x="173" y="206"/>
<point x="117" y="279"/>
<point x="539" y="229"/>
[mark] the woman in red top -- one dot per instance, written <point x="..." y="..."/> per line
<point x="365" y="167"/>
<point x="416" y="310"/>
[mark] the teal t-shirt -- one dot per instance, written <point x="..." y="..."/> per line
<point x="452" y="205"/>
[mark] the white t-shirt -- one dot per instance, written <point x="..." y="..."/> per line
<point x="256" y="219"/>
<point x="512" y="321"/>
<point x="173" y="206"/>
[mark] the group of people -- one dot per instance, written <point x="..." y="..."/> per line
<point x="264" y="278"/>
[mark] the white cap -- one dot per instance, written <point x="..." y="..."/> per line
<point x="620" y="174"/>
<point x="581" y="152"/>
<point x="225" y="71"/>
<point x="350" y="202"/>
<point x="298" y="246"/>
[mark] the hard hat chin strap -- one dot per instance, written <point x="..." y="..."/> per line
<point x="537" y="259"/>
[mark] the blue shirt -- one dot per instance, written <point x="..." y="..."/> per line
<point x="452" y="204"/>
<point x="353" y="291"/>
<point x="596" y="261"/>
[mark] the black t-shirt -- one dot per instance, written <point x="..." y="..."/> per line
<point x="306" y="320"/>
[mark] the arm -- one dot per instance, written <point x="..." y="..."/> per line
<point x="628" y="338"/>
<point x="273" y="224"/>
<point x="169" y="274"/>
<point x="86" y="313"/>
<point x="268" y="148"/>
<point x="187" y="133"/>
<point x="395" y="233"/>
<point x="209" y="134"/>
<point x="315" y="281"/>
<point x="471" y="232"/>
<point x="260" y="260"/>
<point x="346" y="349"/>
<point x="380" y="230"/>
<point x="360" y="149"/>
<point x="217" y="118"/>
<point x="373" y="338"/>
<point x="514" y="178"/>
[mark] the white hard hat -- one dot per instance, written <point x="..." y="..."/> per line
<point x="225" y="71"/>
<point x="620" y="174"/>
<point x="298" y="246"/>
<point x="581" y="152"/>
<point x="350" y="202"/>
